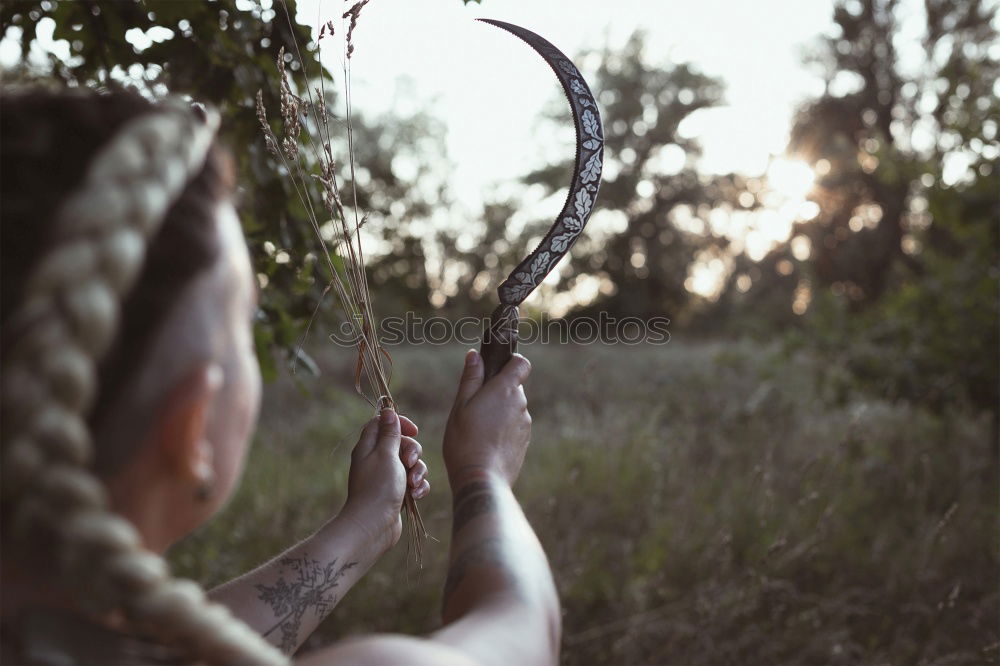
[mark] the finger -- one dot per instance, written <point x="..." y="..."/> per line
<point x="472" y="377"/>
<point x="366" y="441"/>
<point x="417" y="474"/>
<point x="408" y="427"/>
<point x="516" y="371"/>
<point x="409" y="451"/>
<point x="422" y="490"/>
<point x="388" y="436"/>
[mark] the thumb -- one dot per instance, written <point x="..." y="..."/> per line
<point x="366" y="442"/>
<point x="472" y="377"/>
<point x="516" y="370"/>
<point x="388" y="432"/>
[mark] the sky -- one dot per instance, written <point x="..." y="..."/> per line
<point x="489" y="89"/>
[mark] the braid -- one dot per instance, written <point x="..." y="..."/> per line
<point x="55" y="508"/>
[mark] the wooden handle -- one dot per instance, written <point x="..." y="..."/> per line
<point x="500" y="340"/>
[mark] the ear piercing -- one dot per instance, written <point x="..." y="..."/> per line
<point x="206" y="482"/>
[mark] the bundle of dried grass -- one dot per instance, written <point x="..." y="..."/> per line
<point x="306" y="120"/>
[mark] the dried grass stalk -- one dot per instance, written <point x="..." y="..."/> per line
<point x="319" y="182"/>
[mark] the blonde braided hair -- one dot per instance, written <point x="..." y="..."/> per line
<point x="52" y="501"/>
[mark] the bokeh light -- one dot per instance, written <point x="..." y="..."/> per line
<point x="791" y="178"/>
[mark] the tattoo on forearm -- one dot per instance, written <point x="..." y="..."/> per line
<point x="475" y="499"/>
<point x="310" y="589"/>
<point x="471" y="488"/>
<point x="485" y="553"/>
<point x="471" y="501"/>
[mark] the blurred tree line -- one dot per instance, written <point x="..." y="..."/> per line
<point x="901" y="282"/>
<point x="895" y="280"/>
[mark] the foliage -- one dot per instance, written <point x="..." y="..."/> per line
<point x="223" y="53"/>
<point x="929" y="270"/>
<point x="934" y="338"/>
<point x="217" y="54"/>
<point x="649" y="174"/>
<point x="699" y="505"/>
<point x="904" y="261"/>
<point x="872" y="136"/>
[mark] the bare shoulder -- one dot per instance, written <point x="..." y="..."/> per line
<point x="387" y="650"/>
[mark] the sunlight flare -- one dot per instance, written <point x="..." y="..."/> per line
<point x="791" y="178"/>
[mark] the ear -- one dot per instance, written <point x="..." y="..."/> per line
<point x="181" y="438"/>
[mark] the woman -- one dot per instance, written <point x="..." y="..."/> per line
<point x="129" y="394"/>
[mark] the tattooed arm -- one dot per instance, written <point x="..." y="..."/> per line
<point x="500" y="603"/>
<point x="286" y="598"/>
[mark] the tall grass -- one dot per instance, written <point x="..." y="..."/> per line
<point x="708" y="504"/>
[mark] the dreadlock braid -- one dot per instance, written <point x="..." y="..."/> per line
<point x="56" y="510"/>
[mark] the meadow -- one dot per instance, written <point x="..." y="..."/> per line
<point x="701" y="504"/>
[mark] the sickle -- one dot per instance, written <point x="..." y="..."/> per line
<point x="500" y="339"/>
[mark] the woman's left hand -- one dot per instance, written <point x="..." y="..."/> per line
<point x="385" y="464"/>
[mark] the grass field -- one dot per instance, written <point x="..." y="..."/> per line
<point x="700" y="505"/>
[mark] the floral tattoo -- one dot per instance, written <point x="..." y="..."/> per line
<point x="308" y="589"/>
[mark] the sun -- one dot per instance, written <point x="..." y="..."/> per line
<point x="793" y="179"/>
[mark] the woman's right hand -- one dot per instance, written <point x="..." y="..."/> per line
<point x="489" y="426"/>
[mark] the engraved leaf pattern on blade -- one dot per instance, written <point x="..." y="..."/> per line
<point x="586" y="175"/>
<point x="561" y="242"/>
<point x="539" y="267"/>
<point x="519" y="292"/>
<point x="592" y="171"/>
<point x="593" y="129"/>
<point x="583" y="204"/>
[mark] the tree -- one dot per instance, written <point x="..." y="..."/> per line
<point x="905" y="253"/>
<point x="650" y="184"/>
<point x="867" y="130"/>
<point x="222" y="53"/>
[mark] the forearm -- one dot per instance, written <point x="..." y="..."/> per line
<point x="499" y="584"/>
<point x="286" y="598"/>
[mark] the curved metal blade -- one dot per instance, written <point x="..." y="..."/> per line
<point x="586" y="172"/>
